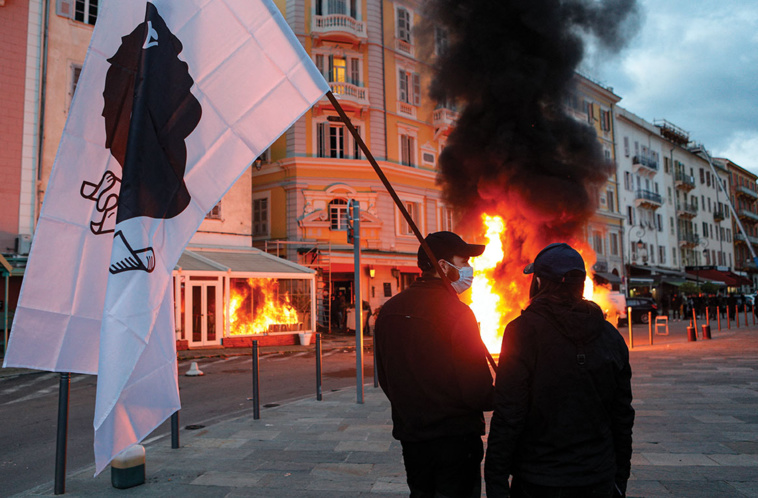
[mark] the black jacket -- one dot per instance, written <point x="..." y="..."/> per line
<point x="563" y="401"/>
<point x="432" y="363"/>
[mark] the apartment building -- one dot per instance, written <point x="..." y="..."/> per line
<point x="676" y="216"/>
<point x="595" y="104"/>
<point x="744" y="198"/>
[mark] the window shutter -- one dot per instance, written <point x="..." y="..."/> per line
<point x="321" y="139"/>
<point x="403" y="86"/>
<point x="65" y="8"/>
<point x="331" y="77"/>
<point x="416" y="89"/>
<point x="320" y="63"/>
<point x="355" y="72"/>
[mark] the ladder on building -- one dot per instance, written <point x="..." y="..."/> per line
<point x="315" y="255"/>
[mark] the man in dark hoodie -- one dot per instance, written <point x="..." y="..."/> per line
<point x="563" y="416"/>
<point x="432" y="366"/>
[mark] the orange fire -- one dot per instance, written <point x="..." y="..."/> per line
<point x="501" y="290"/>
<point x="258" y="307"/>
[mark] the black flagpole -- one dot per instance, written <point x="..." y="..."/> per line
<point x="398" y="202"/>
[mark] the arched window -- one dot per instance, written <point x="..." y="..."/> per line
<point x="338" y="214"/>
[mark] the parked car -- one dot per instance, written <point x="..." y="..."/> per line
<point x="641" y="306"/>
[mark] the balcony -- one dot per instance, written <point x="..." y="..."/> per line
<point x="741" y="238"/>
<point x="339" y="26"/>
<point x="688" y="240"/>
<point x="747" y="215"/>
<point x="405" y="47"/>
<point x="648" y="199"/>
<point x="350" y="95"/>
<point x="444" y="120"/>
<point x="684" y="182"/>
<point x="644" y="165"/>
<point x="686" y="210"/>
<point x="406" y="109"/>
<point x="719" y="215"/>
<point x="745" y="192"/>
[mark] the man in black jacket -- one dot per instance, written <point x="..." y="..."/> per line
<point x="563" y="416"/>
<point x="432" y="366"/>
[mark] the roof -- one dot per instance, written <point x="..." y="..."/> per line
<point x="238" y="259"/>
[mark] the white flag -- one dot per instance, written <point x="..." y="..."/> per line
<point x="175" y="100"/>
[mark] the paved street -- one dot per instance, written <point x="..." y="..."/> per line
<point x="696" y="435"/>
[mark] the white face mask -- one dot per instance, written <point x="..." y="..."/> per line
<point x="465" y="278"/>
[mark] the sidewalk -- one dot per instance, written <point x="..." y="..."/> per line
<point x="696" y="434"/>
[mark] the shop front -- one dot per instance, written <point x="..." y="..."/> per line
<point x="227" y="297"/>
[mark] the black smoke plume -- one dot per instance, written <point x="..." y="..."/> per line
<point x="509" y="66"/>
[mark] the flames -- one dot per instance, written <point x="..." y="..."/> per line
<point x="501" y="290"/>
<point x="256" y="306"/>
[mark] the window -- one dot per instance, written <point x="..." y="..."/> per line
<point x="85" y="11"/>
<point x="673" y="256"/>
<point x="590" y="110"/>
<point x="705" y="228"/>
<point x="597" y="242"/>
<point x="414" y="209"/>
<point x="76" y="71"/>
<point x="671" y="220"/>
<point x="446" y="219"/>
<point x="628" y="182"/>
<point x="339" y="69"/>
<point x="331" y="140"/>
<point x="611" y="200"/>
<point x="440" y="41"/>
<point x="260" y="217"/>
<point x="214" y="213"/>
<point x="630" y="215"/>
<point x="660" y="223"/>
<point x="662" y="254"/>
<point x="666" y="165"/>
<point x="407" y="150"/>
<point x="614" y="242"/>
<point x="626" y="146"/>
<point x="605" y="120"/>
<point x="403" y="24"/>
<point x="409" y="87"/>
<point x="338" y="214"/>
<point x="651" y="252"/>
<point x="728" y="235"/>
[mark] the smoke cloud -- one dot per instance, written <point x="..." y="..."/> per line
<point x="509" y="66"/>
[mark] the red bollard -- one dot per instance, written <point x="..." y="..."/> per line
<point x="746" y="315"/>
<point x="691" y="333"/>
<point x="650" y="326"/>
<point x="694" y="319"/>
<point x="728" y="319"/>
<point x="737" y="316"/>
<point x="718" y="316"/>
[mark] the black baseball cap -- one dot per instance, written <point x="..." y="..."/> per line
<point x="555" y="261"/>
<point x="445" y="245"/>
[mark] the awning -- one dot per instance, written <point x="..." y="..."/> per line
<point x="608" y="277"/>
<point x="729" y="278"/>
<point x="240" y="260"/>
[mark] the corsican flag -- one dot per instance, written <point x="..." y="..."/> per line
<point x="175" y="100"/>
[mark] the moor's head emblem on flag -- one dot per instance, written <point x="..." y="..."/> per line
<point x="149" y="111"/>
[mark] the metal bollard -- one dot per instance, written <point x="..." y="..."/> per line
<point x="691" y="333"/>
<point x="629" y="321"/>
<point x="256" y="390"/>
<point x="706" y="331"/>
<point x="319" y="396"/>
<point x="62" y="439"/>
<point x="175" y="430"/>
<point x="650" y="326"/>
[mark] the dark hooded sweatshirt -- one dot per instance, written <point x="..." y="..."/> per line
<point x="563" y="400"/>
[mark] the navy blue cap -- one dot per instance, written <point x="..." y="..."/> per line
<point x="555" y="261"/>
<point x="445" y="245"/>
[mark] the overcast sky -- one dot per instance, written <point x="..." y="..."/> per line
<point x="695" y="64"/>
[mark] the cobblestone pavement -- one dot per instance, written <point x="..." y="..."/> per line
<point x="696" y="435"/>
